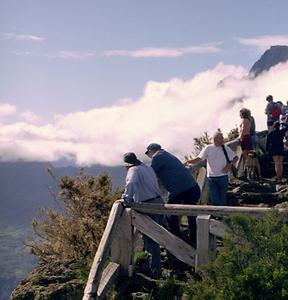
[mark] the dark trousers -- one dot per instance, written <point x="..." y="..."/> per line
<point x="151" y="247"/>
<point x="190" y="196"/>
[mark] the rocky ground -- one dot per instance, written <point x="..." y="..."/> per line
<point x="51" y="281"/>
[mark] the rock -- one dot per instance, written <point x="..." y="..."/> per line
<point x="51" y="281"/>
<point x="282" y="205"/>
<point x="270" y="58"/>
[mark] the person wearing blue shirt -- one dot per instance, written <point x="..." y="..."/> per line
<point x="142" y="187"/>
<point x="177" y="180"/>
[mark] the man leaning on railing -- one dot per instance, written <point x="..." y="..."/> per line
<point x="142" y="187"/>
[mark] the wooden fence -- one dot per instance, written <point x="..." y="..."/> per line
<point x="115" y="254"/>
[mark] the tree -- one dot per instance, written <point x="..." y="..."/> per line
<point x="205" y="139"/>
<point x="74" y="231"/>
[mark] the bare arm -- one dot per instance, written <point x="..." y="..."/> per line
<point x="192" y="161"/>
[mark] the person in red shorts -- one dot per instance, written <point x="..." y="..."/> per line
<point x="244" y="134"/>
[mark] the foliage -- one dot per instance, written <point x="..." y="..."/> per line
<point x="167" y="288"/>
<point x="253" y="263"/>
<point x="74" y="231"/>
<point x="201" y="142"/>
<point x="205" y="139"/>
<point x="232" y="135"/>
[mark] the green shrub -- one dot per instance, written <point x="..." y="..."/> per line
<point x="74" y="231"/>
<point x="253" y="263"/>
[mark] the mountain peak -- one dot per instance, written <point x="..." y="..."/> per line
<point x="271" y="57"/>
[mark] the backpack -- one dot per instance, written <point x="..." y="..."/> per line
<point x="275" y="111"/>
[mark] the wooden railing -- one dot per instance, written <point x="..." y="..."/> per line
<point x="124" y="222"/>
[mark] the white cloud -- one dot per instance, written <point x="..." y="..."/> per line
<point x="74" y="55"/>
<point x="262" y="43"/>
<point x="22" y="37"/>
<point x="29" y="116"/>
<point x="171" y="113"/>
<point x="166" y="52"/>
<point x="7" y="109"/>
<point x="23" y="53"/>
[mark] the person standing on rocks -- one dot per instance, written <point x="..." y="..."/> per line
<point x="245" y="132"/>
<point x="272" y="111"/>
<point x="275" y="148"/>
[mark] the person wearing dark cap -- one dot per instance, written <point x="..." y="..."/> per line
<point x="142" y="187"/>
<point x="177" y="180"/>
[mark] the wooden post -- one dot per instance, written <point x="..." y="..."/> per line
<point x="122" y="251"/>
<point x="90" y="292"/>
<point x="203" y="232"/>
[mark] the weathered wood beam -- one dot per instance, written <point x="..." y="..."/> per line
<point x="90" y="292"/>
<point x="122" y="243"/>
<point x="217" y="228"/>
<point x="108" y="278"/>
<point x="163" y="237"/>
<point x="202" y="256"/>
<point x="195" y="210"/>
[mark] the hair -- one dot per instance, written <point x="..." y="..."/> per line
<point x="217" y="133"/>
<point x="269" y="98"/>
<point x="245" y="113"/>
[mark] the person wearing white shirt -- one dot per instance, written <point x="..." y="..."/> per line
<point x="217" y="168"/>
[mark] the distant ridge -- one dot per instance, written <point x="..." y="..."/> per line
<point x="270" y="58"/>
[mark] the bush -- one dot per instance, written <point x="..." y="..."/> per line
<point x="74" y="231"/>
<point x="253" y="263"/>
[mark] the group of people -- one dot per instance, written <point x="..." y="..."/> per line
<point x="142" y="186"/>
<point x="277" y="125"/>
<point x="142" y="181"/>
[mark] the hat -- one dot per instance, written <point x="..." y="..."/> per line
<point x="153" y="146"/>
<point x="131" y="159"/>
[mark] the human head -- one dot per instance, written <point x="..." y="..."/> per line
<point x="130" y="159"/>
<point x="152" y="148"/>
<point x="218" y="138"/>
<point x="269" y="98"/>
<point x="245" y="113"/>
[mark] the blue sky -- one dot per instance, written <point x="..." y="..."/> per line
<point x="60" y="58"/>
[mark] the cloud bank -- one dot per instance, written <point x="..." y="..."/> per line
<point x="166" y="52"/>
<point x="171" y="113"/>
<point x="23" y="37"/>
<point x="262" y="43"/>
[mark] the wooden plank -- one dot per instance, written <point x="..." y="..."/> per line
<point x="217" y="228"/>
<point x="109" y="276"/>
<point x="102" y="252"/>
<point x="159" y="234"/>
<point x="195" y="210"/>
<point x="122" y="244"/>
<point x="203" y="231"/>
